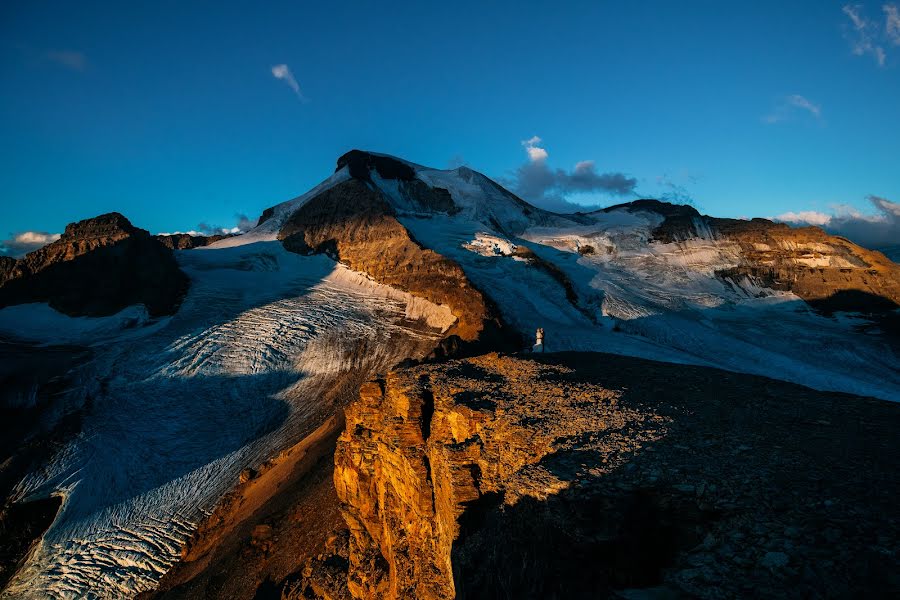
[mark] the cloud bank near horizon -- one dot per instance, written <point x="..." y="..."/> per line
<point x="243" y="225"/>
<point x="879" y="229"/>
<point x="20" y="244"/>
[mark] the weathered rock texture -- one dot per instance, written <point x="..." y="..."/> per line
<point x="186" y="241"/>
<point x="830" y="272"/>
<point x="98" y="267"/>
<point x="827" y="271"/>
<point x="591" y="475"/>
<point x="356" y="225"/>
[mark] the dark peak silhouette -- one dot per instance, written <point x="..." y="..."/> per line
<point x="97" y="267"/>
<point x="361" y="164"/>
<point x="660" y="207"/>
<point x="108" y="224"/>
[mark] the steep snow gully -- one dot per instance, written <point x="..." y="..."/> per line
<point x="176" y="407"/>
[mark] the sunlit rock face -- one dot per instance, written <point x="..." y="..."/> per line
<point x="98" y="267"/>
<point x="357" y="226"/>
<point x="582" y="475"/>
<point x="828" y="271"/>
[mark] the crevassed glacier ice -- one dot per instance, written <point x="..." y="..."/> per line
<point x="174" y="414"/>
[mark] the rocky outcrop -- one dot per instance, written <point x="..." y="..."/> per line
<point x="829" y="272"/>
<point x="590" y="475"/>
<point x="7" y="266"/>
<point x="186" y="241"/>
<point x="668" y="210"/>
<point x="361" y="163"/>
<point x="98" y="267"/>
<point x="355" y="224"/>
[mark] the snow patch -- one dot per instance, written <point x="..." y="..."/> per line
<point x="486" y="244"/>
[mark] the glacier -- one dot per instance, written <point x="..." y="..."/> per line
<point x="175" y="409"/>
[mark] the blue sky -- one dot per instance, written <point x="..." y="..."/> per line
<point x="169" y="111"/>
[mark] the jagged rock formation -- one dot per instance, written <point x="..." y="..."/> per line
<point x="186" y="241"/>
<point x="588" y="475"/>
<point x="98" y="267"/>
<point x="7" y="266"/>
<point x="829" y="272"/>
<point x="361" y="163"/>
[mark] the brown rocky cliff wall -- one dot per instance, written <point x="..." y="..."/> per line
<point x="355" y="224"/>
<point x="829" y="271"/>
<point x="818" y="267"/>
<point x="384" y="480"/>
<point x="578" y="474"/>
<point x="418" y="450"/>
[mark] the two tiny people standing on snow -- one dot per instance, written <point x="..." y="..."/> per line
<point x="538" y="340"/>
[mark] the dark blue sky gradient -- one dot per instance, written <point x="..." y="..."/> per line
<point x="175" y="118"/>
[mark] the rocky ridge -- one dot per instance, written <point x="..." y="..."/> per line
<point x="97" y="267"/>
<point x="354" y="223"/>
<point x="588" y="475"/>
<point x="186" y="241"/>
<point x="828" y="271"/>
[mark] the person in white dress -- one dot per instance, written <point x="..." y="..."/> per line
<point x="538" y="340"/>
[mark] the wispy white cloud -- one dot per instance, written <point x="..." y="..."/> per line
<point x="789" y="105"/>
<point x="193" y="232"/>
<point x="676" y="188"/>
<point x="865" y="35"/>
<point x="801" y="102"/>
<point x="283" y="72"/>
<point x="892" y="23"/>
<point x="24" y="242"/>
<point x="872" y="230"/>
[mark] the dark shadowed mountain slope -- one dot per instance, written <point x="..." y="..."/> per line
<point x="186" y="241"/>
<point x="98" y="267"/>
